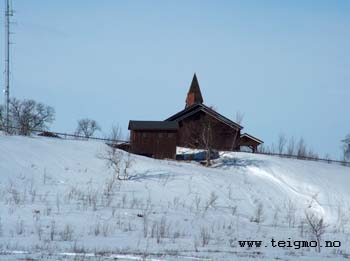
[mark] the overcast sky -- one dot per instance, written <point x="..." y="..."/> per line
<point x="284" y="64"/>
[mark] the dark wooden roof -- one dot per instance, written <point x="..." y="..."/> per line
<point x="153" y="125"/>
<point x="246" y="135"/>
<point x="201" y="107"/>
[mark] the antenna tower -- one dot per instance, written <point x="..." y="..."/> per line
<point x="8" y="14"/>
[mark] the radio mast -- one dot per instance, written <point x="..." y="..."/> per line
<point x="8" y="14"/>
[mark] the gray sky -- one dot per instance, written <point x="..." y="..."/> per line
<point x="284" y="64"/>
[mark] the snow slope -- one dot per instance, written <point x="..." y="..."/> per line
<point x="59" y="198"/>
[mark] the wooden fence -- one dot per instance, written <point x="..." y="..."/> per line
<point x="330" y="161"/>
<point x="72" y="136"/>
<point x="113" y="141"/>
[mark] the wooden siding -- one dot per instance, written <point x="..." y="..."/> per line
<point x="199" y="128"/>
<point x="157" y="144"/>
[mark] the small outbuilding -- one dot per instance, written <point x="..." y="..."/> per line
<point x="155" y="139"/>
<point x="250" y="141"/>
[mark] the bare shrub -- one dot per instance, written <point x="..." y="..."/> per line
<point x="67" y="233"/>
<point x="32" y="191"/>
<point x="343" y="220"/>
<point x="128" y="162"/>
<point x="291" y="213"/>
<point x="197" y="202"/>
<point x="124" y="200"/>
<point x="276" y="217"/>
<point x="15" y="197"/>
<point x="211" y="202"/>
<point x="39" y="230"/>
<point x="48" y="209"/>
<point x="316" y="226"/>
<point x="145" y="224"/>
<point x="96" y="229"/>
<point x="106" y="229"/>
<point x="234" y="210"/>
<point x="302" y="227"/>
<point x="20" y="227"/>
<point x="196" y="244"/>
<point x="160" y="229"/>
<point x="229" y="192"/>
<point x="118" y="162"/>
<point x="176" y="235"/>
<point x="163" y="228"/>
<point x="52" y="230"/>
<point x="78" y="249"/>
<point x="58" y="203"/>
<point x="205" y="236"/>
<point x="258" y="214"/>
<point x="108" y="188"/>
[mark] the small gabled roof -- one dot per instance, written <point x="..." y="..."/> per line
<point x="201" y="107"/>
<point x="153" y="125"/>
<point x="251" y="137"/>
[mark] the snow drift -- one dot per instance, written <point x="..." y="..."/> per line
<point x="59" y="198"/>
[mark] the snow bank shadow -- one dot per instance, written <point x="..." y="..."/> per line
<point x="160" y="176"/>
<point x="239" y="163"/>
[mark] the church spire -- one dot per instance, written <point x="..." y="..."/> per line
<point x="194" y="95"/>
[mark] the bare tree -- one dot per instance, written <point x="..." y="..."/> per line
<point x="291" y="146"/>
<point x="207" y="140"/>
<point x="262" y="148"/>
<point x="26" y="116"/>
<point x="239" y="117"/>
<point x="200" y="135"/>
<point x="312" y="154"/>
<point x="87" y="127"/>
<point x="327" y="157"/>
<point x="317" y="227"/>
<point x="115" y="135"/>
<point x="301" y="148"/>
<point x="346" y="148"/>
<point x="236" y="134"/>
<point x="282" y="140"/>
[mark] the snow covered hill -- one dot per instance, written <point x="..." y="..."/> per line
<point x="59" y="199"/>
